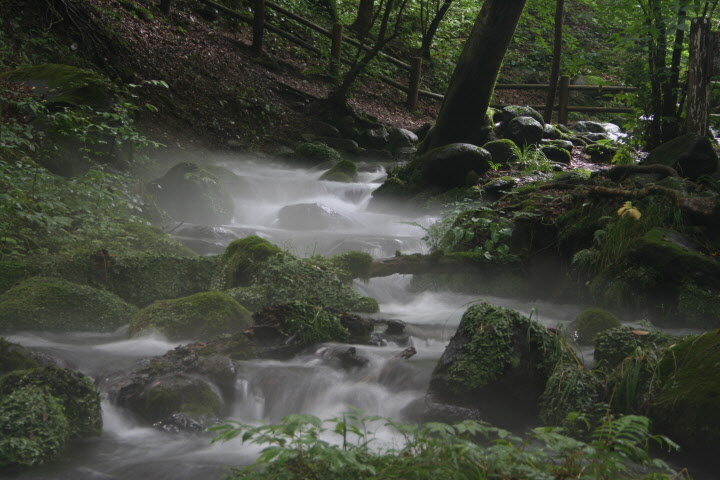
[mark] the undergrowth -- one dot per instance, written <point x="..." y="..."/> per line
<point x="305" y="447"/>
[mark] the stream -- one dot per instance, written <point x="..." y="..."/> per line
<point x="269" y="390"/>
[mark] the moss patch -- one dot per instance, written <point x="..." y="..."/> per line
<point x="76" y="393"/>
<point x="311" y="154"/>
<point x="200" y="316"/>
<point x="33" y="427"/>
<point x="592" y="321"/>
<point x="44" y="303"/>
<point x="242" y="260"/>
<point x="307" y="324"/>
<point x="14" y="357"/>
<point x="614" y="346"/>
<point x="343" y="171"/>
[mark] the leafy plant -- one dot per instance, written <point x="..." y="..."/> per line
<point x="303" y="447"/>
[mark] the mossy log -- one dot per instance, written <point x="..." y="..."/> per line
<point x="438" y="264"/>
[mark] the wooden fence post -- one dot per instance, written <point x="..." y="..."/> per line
<point x="336" y="50"/>
<point x="564" y="99"/>
<point x="699" y="73"/>
<point x="258" y="27"/>
<point x="414" y="84"/>
<point x="165" y="6"/>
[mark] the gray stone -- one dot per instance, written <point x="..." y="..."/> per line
<point x="452" y="165"/>
<point x="691" y="155"/>
<point x="312" y="216"/>
<point x="524" y="131"/>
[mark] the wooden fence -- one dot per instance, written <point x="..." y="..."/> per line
<point x="260" y="24"/>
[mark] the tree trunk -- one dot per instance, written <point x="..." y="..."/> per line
<point x="468" y="97"/>
<point x="557" y="53"/>
<point x="429" y="35"/>
<point x="364" y="18"/>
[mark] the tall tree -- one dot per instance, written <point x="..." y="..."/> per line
<point x="468" y="97"/>
<point x="430" y="26"/>
<point x="557" y="54"/>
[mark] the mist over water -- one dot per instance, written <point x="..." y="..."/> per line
<point x="266" y="391"/>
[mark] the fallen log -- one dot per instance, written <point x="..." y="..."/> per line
<point x="438" y="264"/>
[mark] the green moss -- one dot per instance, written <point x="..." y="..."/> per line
<point x="14" y="357"/>
<point x="65" y="85"/>
<point x="143" y="279"/>
<point x="492" y="333"/>
<point x="592" y="321"/>
<point x="307" y="324"/>
<point x="33" y="427"/>
<point x="179" y="394"/>
<point x="600" y="153"/>
<point x="77" y="394"/>
<point x="44" y="303"/>
<point x="347" y="266"/>
<point x="314" y="154"/>
<point x="570" y="389"/>
<point x="12" y="273"/>
<point x="139" y="237"/>
<point x="365" y="305"/>
<point x="668" y="251"/>
<point x="282" y="277"/>
<point x="200" y="316"/>
<point x="241" y="261"/>
<point x="392" y="188"/>
<point x="343" y="171"/>
<point x="614" y="346"/>
<point x="253" y="298"/>
<point x="685" y="406"/>
<point x="503" y="151"/>
<point x="698" y="307"/>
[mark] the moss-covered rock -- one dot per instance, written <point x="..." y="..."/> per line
<point x="12" y="273"/>
<point x="143" y="279"/>
<point x="524" y="131"/>
<point x="556" y="154"/>
<point x="140" y="237"/>
<point x="76" y="393"/>
<point x="242" y="260"/>
<point x="312" y="154"/>
<point x="253" y="298"/>
<point x="592" y="321"/>
<point x="571" y="388"/>
<point x="303" y="324"/>
<point x="347" y="266"/>
<point x="45" y="303"/>
<point x="33" y="427"/>
<point x="192" y="194"/>
<point x="692" y="155"/>
<point x="200" y="316"/>
<point x="498" y="361"/>
<point x="15" y="357"/>
<point x="685" y="405"/>
<point x="614" y="346"/>
<point x="513" y="111"/>
<point x="343" y="171"/>
<point x="282" y="278"/>
<point x="454" y="165"/>
<point x="503" y="151"/>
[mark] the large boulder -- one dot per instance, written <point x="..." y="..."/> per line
<point x="455" y="165"/>
<point x="302" y="324"/>
<point x="524" y="131"/>
<point x="514" y="111"/>
<point x="587" y="126"/>
<point x="691" y="155"/>
<point x="46" y="303"/>
<point x="253" y="268"/>
<point x="199" y="317"/>
<point x="685" y="405"/>
<point x="312" y="216"/>
<point x="498" y="362"/>
<point x="591" y="322"/>
<point x="312" y="154"/>
<point x="343" y="171"/>
<point x="503" y="152"/>
<point x="192" y="194"/>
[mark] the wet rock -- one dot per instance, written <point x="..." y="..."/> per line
<point x="500" y="185"/>
<point x="343" y="358"/>
<point x="503" y="152"/>
<point x="452" y="165"/>
<point x="589" y="127"/>
<point x="595" y="137"/>
<point x="179" y="423"/>
<point x="359" y="329"/>
<point x="425" y="409"/>
<point x="524" y="131"/>
<point x="198" y="317"/>
<point x="190" y="193"/>
<point x="48" y="303"/>
<point x="497" y="362"/>
<point x="312" y="216"/>
<point x="551" y="132"/>
<point x="344" y="171"/>
<point x="401" y="138"/>
<point x="312" y="154"/>
<point x="564" y="144"/>
<point x="691" y="155"/>
<point x="511" y="112"/>
<point x="376" y="138"/>
<point x="556" y="154"/>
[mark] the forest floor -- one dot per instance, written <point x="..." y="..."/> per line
<point x="220" y="95"/>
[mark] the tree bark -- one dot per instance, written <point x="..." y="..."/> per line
<point x="429" y="34"/>
<point x="557" y="54"/>
<point x="471" y="86"/>
<point x="364" y="18"/>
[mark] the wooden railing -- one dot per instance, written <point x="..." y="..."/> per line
<point x="259" y="23"/>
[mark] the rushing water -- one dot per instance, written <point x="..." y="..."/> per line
<point x="268" y="390"/>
